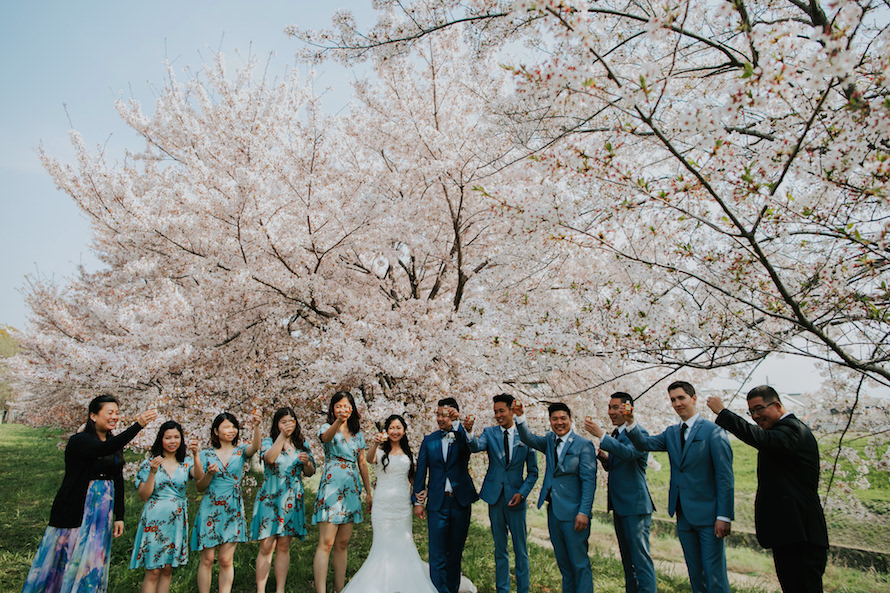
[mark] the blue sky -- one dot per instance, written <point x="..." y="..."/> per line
<point x="72" y="60"/>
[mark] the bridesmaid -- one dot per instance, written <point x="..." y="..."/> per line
<point x="220" y="520"/>
<point x="278" y="512"/>
<point x="338" y="502"/>
<point x="161" y="542"/>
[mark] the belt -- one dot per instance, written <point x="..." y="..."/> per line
<point x="449" y="494"/>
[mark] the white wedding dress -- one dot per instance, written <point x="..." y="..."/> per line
<point x="393" y="564"/>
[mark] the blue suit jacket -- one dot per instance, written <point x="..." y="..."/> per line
<point x="628" y="491"/>
<point x="569" y="481"/>
<point x="504" y="479"/>
<point x="701" y="472"/>
<point x="430" y="461"/>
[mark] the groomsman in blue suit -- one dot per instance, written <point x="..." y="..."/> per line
<point x="442" y="471"/>
<point x="568" y="488"/>
<point x="629" y="498"/>
<point x="701" y="487"/>
<point x="512" y="473"/>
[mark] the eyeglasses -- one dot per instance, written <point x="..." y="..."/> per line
<point x="756" y="411"/>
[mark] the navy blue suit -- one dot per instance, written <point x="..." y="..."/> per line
<point x="502" y="481"/>
<point x="448" y="514"/>
<point x="569" y="486"/>
<point x="701" y="489"/>
<point x="631" y="506"/>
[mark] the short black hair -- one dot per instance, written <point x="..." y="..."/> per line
<point x="503" y="398"/>
<point x="684" y="385"/>
<point x="766" y="392"/>
<point x="558" y="407"/>
<point x="448" y="401"/>
<point x="624" y="397"/>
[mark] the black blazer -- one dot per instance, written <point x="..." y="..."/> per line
<point x="88" y="458"/>
<point x="787" y="509"/>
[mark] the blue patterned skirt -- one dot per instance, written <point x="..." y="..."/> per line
<point x="75" y="560"/>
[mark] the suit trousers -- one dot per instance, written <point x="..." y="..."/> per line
<point x="448" y="527"/>
<point x="504" y="518"/>
<point x="570" y="549"/>
<point x="632" y="532"/>
<point x="800" y="567"/>
<point x="705" y="556"/>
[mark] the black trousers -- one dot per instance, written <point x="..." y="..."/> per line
<point x="800" y="567"/>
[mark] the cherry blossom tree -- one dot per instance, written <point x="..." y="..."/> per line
<point x="730" y="158"/>
<point x="716" y="175"/>
<point x="258" y="252"/>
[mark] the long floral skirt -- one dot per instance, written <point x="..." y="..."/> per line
<point x="75" y="560"/>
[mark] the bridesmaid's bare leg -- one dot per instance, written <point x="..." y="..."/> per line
<point x="327" y="532"/>
<point x="205" y="569"/>
<point x="264" y="562"/>
<point x="340" y="548"/>
<point x="282" y="562"/>
<point x="226" y="567"/>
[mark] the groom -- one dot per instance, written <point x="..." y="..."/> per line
<point x="444" y="456"/>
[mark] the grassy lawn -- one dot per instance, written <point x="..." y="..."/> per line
<point x="31" y="465"/>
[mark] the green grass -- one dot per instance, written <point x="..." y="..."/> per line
<point x="31" y="465"/>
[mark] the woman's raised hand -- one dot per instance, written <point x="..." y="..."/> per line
<point x="154" y="463"/>
<point x="380" y="438"/>
<point x="147" y="416"/>
<point x="303" y="457"/>
<point x="193" y="446"/>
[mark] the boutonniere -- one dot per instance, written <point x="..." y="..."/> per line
<point x="449" y="436"/>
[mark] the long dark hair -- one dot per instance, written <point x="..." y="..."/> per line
<point x="95" y="406"/>
<point x="403" y="443"/>
<point x="220" y="418"/>
<point x="296" y="437"/>
<point x="352" y="423"/>
<point x="157" y="448"/>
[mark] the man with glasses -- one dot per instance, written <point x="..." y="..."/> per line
<point x="788" y="514"/>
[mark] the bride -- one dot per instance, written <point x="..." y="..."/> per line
<point x="393" y="564"/>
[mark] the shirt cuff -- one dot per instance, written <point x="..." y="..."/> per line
<point x="519" y="419"/>
<point x="726" y="519"/>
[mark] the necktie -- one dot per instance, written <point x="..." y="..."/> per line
<point x="506" y="446"/>
<point x="683" y="430"/>
<point x="558" y="443"/>
<point x="615" y="433"/>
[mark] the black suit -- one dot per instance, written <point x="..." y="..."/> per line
<point x="788" y="515"/>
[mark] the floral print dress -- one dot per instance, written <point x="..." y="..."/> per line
<point x="220" y="518"/>
<point x="278" y="508"/>
<point x="162" y="535"/>
<point x="339" y="492"/>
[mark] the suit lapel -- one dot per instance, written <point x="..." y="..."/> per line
<point x="565" y="448"/>
<point x="690" y="434"/>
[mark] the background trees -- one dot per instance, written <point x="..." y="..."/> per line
<point x="640" y="187"/>
<point x="726" y="162"/>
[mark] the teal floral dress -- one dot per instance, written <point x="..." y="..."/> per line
<point x="278" y="508"/>
<point x="162" y="535"/>
<point x="338" y="499"/>
<point x="220" y="518"/>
